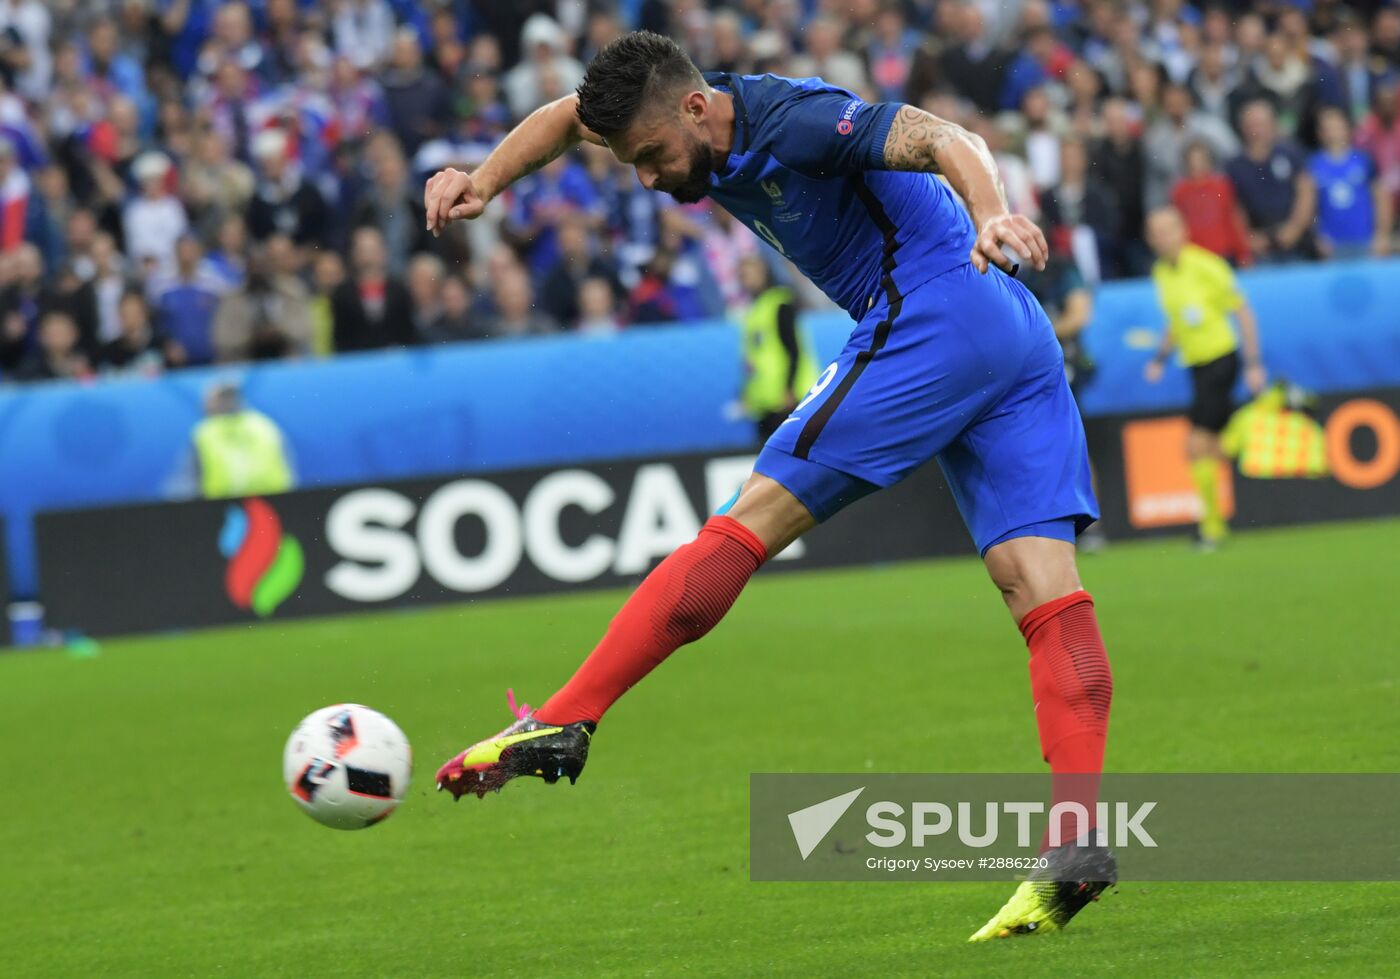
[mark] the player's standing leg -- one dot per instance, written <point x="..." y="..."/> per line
<point x="679" y="602"/>
<point x="1072" y="689"/>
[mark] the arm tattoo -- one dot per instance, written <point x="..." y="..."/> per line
<point x="918" y="139"/>
<point x="543" y="160"/>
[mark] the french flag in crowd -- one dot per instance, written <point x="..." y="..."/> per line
<point x="14" y="208"/>
<point x="14" y="189"/>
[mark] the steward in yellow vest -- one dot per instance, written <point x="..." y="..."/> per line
<point x="240" y="451"/>
<point x="778" y="367"/>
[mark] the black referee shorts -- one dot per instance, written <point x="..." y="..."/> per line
<point x="1212" y="386"/>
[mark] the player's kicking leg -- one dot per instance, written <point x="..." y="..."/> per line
<point x="1072" y="688"/>
<point x="679" y="602"/>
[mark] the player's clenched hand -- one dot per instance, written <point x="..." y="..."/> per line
<point x="450" y="196"/>
<point x="1015" y="231"/>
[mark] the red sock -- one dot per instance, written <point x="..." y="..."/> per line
<point x="1073" y="687"/>
<point x="680" y="601"/>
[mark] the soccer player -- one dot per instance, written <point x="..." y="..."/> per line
<point x="950" y="357"/>
<point x="1197" y="291"/>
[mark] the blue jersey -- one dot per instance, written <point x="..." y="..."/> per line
<point x="1345" y="210"/>
<point x="806" y="174"/>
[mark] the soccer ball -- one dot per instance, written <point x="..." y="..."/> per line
<point x="347" y="766"/>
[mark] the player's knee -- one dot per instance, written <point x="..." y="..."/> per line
<point x="774" y="515"/>
<point x="1030" y="571"/>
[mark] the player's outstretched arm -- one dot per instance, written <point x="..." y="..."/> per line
<point x="922" y="142"/>
<point x="553" y="129"/>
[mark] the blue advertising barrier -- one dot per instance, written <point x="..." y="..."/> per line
<point x="663" y="391"/>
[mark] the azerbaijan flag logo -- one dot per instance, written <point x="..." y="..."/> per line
<point x="264" y="565"/>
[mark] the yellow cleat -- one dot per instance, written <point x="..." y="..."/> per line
<point x="1073" y="876"/>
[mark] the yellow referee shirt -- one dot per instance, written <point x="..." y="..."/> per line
<point x="1198" y="293"/>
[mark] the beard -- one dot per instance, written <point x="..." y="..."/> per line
<point x="693" y="187"/>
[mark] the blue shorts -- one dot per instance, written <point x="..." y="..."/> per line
<point x="965" y="367"/>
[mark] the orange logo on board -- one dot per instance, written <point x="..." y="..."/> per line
<point x="1158" y="476"/>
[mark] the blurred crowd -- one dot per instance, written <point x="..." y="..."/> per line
<point x="185" y="182"/>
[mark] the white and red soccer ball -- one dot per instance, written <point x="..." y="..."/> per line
<point x="347" y="766"/>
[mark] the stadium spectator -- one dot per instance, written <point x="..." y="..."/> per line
<point x="541" y="202"/>
<point x="393" y="204"/>
<point x="285" y="201"/>
<point x="232" y="42"/>
<point x="1213" y="82"/>
<point x="213" y="184"/>
<point x="416" y="99"/>
<point x="825" y="58"/>
<point x="1385" y="35"/>
<point x="890" y="51"/>
<point x="357" y="100"/>
<point x="371" y="309"/>
<point x="1042" y="60"/>
<point x="1044" y="128"/>
<point x="974" y="67"/>
<point x="515" y="312"/>
<point x="25" y="61"/>
<point x="327" y="273"/>
<point x="49" y="207"/>
<point x="268" y="317"/>
<point x="57" y="354"/>
<point x="362" y="31"/>
<point x="725" y="242"/>
<point x="598" y="312"/>
<point x="1081" y="212"/>
<point x="110" y="71"/>
<point x="154" y="220"/>
<point x="1359" y="72"/>
<point x="138" y="349"/>
<point x="1286" y="80"/>
<point x="109" y="280"/>
<point x="1274" y="187"/>
<point x="1353" y="209"/>
<point x="23" y="301"/>
<point x="1206" y="201"/>
<point x="652" y="299"/>
<point x="186" y="302"/>
<point x="546" y="70"/>
<point x="1379" y="135"/>
<point x="454" y="323"/>
<point x="72" y="293"/>
<point x="1179" y="125"/>
<point x="559" y="290"/>
<point x="226" y="103"/>
<point x="424" y="279"/>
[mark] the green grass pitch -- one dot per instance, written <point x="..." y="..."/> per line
<point x="146" y="832"/>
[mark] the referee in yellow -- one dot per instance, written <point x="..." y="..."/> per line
<point x="1198" y="294"/>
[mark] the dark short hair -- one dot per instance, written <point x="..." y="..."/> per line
<point x="630" y="72"/>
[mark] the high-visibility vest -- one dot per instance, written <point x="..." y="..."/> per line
<point x="241" y="454"/>
<point x="1272" y="441"/>
<point x="767" y="361"/>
